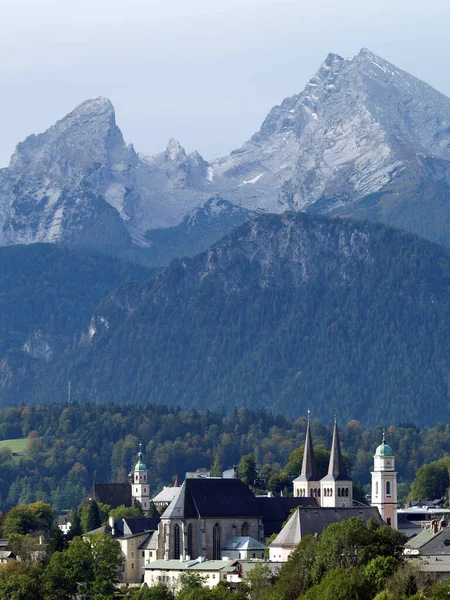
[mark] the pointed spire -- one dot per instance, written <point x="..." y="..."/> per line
<point x="309" y="471"/>
<point x="175" y="483"/>
<point x="336" y="467"/>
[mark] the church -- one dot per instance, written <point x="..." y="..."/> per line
<point x="125" y="494"/>
<point x="334" y="496"/>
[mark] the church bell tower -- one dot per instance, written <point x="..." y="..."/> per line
<point x="140" y="489"/>
<point x="384" y="483"/>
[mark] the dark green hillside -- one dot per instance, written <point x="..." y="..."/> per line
<point x="288" y="312"/>
<point x="47" y="296"/>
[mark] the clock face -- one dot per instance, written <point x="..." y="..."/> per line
<point x="388" y="462"/>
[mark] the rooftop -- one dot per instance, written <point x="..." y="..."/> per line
<point x="191" y="565"/>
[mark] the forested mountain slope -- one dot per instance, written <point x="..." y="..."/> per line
<point x="287" y="312"/>
<point x="47" y="296"/>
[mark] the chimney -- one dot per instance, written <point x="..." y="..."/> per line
<point x="111" y="524"/>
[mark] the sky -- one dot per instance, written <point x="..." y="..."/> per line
<point x="205" y="72"/>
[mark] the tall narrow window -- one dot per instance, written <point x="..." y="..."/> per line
<point x="376" y="488"/>
<point x="190" y="545"/>
<point x="176" y="541"/>
<point x="244" y="529"/>
<point x="388" y="488"/>
<point x="216" y="542"/>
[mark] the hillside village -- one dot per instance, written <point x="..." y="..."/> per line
<point x="217" y="528"/>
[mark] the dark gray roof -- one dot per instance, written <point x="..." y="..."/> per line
<point x="336" y="470"/>
<point x="309" y="470"/>
<point x="150" y="542"/>
<point x="312" y="521"/>
<point x="114" y="494"/>
<point x="428" y="542"/>
<point x="136" y="526"/>
<point x="213" y="498"/>
<point x="274" y="512"/>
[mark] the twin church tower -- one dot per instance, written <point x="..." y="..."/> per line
<point x="335" y="490"/>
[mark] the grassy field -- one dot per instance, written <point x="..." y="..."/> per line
<point x="17" y="446"/>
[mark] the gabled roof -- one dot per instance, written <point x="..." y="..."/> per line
<point x="114" y="494"/>
<point x="310" y="521"/>
<point x="309" y="470"/>
<point x="166" y="495"/>
<point x="212" y="498"/>
<point x="428" y="542"/>
<point x="243" y="543"/>
<point x="336" y="470"/>
<point x="136" y="526"/>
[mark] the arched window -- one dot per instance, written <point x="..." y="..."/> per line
<point x="244" y="529"/>
<point x="331" y="491"/>
<point x="216" y="542"/>
<point x="318" y="492"/>
<point x="339" y="491"/>
<point x="190" y="545"/>
<point x="346" y="491"/>
<point x="376" y="488"/>
<point x="176" y="541"/>
<point x="388" y="488"/>
<point x="298" y="492"/>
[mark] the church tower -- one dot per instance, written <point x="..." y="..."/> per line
<point x="336" y="488"/>
<point x="140" y="489"/>
<point x="307" y="483"/>
<point x="384" y="483"/>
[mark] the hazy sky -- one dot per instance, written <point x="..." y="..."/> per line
<point x="205" y="72"/>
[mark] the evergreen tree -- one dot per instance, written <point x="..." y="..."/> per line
<point x="247" y="469"/>
<point x="75" y="525"/>
<point x="90" y="517"/>
<point x="216" y="469"/>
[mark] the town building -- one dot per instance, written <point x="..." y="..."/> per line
<point x="243" y="548"/>
<point x="169" y="572"/>
<point x="132" y="535"/>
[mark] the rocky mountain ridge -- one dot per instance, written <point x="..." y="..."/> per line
<point x="363" y="139"/>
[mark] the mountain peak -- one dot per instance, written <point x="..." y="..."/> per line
<point x="174" y="150"/>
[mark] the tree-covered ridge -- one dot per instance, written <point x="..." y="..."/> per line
<point x="47" y="297"/>
<point x="285" y="313"/>
<point x="71" y="446"/>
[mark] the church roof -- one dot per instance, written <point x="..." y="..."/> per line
<point x="309" y="470"/>
<point x="212" y="498"/>
<point x="313" y="521"/>
<point x="114" y="494"/>
<point x="275" y="511"/>
<point x="336" y="471"/>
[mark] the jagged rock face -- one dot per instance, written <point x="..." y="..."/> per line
<point x="72" y="175"/>
<point x="358" y="125"/>
<point x="363" y="139"/>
